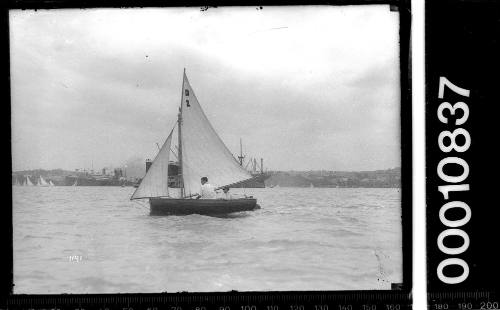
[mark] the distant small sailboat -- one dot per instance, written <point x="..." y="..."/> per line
<point x="16" y="183"/>
<point x="28" y="181"/>
<point x="311" y="186"/>
<point x="50" y="183"/>
<point x="42" y="182"/>
<point x="76" y="183"/>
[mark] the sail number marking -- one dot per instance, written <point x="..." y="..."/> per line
<point x="454" y="140"/>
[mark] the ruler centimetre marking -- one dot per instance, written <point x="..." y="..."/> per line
<point x="381" y="300"/>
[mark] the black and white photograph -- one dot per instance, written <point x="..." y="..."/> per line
<point x="206" y="150"/>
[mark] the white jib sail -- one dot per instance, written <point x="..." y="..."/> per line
<point x="155" y="182"/>
<point x="203" y="152"/>
<point x="28" y="181"/>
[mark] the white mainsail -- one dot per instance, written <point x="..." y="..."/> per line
<point x="203" y="152"/>
<point x="28" y="181"/>
<point x="155" y="182"/>
<point x="50" y="183"/>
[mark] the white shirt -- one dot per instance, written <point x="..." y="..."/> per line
<point x="226" y="196"/>
<point x="207" y="191"/>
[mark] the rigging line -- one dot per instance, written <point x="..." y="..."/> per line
<point x="177" y="157"/>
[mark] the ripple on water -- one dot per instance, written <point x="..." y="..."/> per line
<point x="306" y="239"/>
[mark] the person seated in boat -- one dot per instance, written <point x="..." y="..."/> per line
<point x="207" y="191"/>
<point x="225" y="195"/>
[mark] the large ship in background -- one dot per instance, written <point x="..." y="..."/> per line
<point x="256" y="170"/>
<point x="115" y="177"/>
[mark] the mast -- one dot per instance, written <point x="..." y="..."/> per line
<point x="179" y="122"/>
<point x="241" y="154"/>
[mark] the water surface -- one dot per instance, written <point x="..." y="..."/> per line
<point x="94" y="240"/>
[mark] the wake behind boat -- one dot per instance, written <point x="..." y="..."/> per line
<point x="201" y="153"/>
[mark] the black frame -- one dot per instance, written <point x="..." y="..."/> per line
<point x="399" y="295"/>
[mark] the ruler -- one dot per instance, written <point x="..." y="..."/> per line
<point x="463" y="300"/>
<point x="349" y="300"/>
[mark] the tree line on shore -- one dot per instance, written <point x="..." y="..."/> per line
<point x="379" y="178"/>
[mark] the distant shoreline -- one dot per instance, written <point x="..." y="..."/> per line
<point x="388" y="178"/>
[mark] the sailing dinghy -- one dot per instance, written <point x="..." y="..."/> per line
<point x="201" y="153"/>
<point x="28" y="181"/>
<point x="42" y="182"/>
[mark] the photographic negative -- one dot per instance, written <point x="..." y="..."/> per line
<point x="118" y="115"/>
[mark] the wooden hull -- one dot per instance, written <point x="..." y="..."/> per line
<point x="169" y="206"/>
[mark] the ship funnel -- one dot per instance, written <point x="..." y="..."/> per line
<point x="148" y="164"/>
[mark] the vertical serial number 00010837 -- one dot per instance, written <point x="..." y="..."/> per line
<point x="452" y="149"/>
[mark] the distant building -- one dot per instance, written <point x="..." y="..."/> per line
<point x="118" y="173"/>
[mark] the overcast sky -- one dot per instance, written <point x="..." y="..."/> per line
<point x="304" y="87"/>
